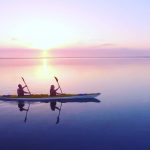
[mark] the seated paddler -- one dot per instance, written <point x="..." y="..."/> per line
<point x="20" y="90"/>
<point x="53" y="91"/>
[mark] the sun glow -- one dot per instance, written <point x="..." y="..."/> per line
<point x="46" y="71"/>
<point x="45" y="35"/>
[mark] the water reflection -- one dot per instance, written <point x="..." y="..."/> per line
<point x="25" y="119"/>
<point x="24" y="106"/>
<point x="21" y="106"/>
<point x="59" y="114"/>
<point x="96" y="72"/>
<point x="123" y="116"/>
<point x="53" y="106"/>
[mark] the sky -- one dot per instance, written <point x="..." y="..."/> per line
<point x="76" y="26"/>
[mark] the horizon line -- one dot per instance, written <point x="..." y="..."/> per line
<point x="73" y="57"/>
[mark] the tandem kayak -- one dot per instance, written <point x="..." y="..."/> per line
<point x="47" y="98"/>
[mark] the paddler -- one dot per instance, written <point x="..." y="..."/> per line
<point x="20" y="90"/>
<point x="53" y="91"/>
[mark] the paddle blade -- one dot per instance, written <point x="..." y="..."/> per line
<point x="22" y="78"/>
<point x="56" y="79"/>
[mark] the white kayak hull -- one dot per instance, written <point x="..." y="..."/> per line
<point x="78" y="97"/>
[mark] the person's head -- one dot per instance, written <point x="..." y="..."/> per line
<point x="19" y="85"/>
<point x="52" y="87"/>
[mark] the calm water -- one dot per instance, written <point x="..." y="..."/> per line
<point x="121" y="121"/>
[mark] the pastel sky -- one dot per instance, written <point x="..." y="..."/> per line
<point x="74" y="24"/>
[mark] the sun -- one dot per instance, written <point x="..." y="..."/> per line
<point x="45" y="35"/>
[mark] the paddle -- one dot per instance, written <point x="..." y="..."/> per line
<point x="61" y="102"/>
<point x="58" y="84"/>
<point x="26" y="85"/>
<point x="58" y="114"/>
<point x="29" y="103"/>
<point x="25" y="119"/>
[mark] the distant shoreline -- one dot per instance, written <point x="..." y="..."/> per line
<point x="147" y="57"/>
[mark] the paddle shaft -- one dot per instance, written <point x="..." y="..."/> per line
<point x="26" y="85"/>
<point x="27" y="114"/>
<point x="58" y="84"/>
<point x="58" y="115"/>
<point x="61" y="103"/>
<point x="29" y="103"/>
<point x="61" y="93"/>
<point x="59" y="87"/>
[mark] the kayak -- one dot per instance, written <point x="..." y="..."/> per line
<point x="47" y="98"/>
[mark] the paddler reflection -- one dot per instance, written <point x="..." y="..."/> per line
<point x="21" y="106"/>
<point x="53" y="106"/>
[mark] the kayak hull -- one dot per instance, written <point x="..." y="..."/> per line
<point x="67" y="98"/>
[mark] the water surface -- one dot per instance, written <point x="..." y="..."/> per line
<point x="120" y="121"/>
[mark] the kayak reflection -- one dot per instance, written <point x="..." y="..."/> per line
<point x="24" y="105"/>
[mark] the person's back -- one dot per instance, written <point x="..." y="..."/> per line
<point x="20" y="91"/>
<point x="52" y="91"/>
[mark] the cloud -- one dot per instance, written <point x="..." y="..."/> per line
<point x="18" y="52"/>
<point x="95" y="51"/>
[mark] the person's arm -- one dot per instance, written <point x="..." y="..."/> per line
<point x="26" y="92"/>
<point x="24" y="86"/>
<point x="57" y="108"/>
<point x="57" y="89"/>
